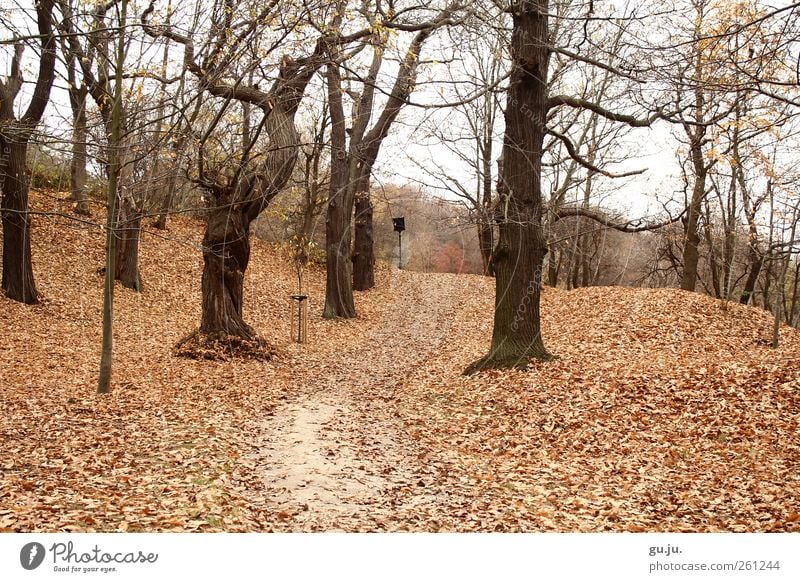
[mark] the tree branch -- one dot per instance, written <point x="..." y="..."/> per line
<point x="585" y="163"/>
<point x="599" y="217"/>
<point x="558" y="100"/>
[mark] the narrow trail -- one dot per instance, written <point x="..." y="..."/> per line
<point x="337" y="457"/>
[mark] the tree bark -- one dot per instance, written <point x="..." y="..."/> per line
<point x="115" y="133"/>
<point x="521" y="247"/>
<point x="226" y="253"/>
<point x="18" y="281"/>
<point x="127" y="230"/>
<point x="339" y="286"/>
<point x="77" y="167"/>
<point x="697" y="138"/>
<point x="486" y="244"/>
<point x="17" y="278"/>
<point x="226" y="243"/>
<point x="756" y="261"/>
<point x="485" y="230"/>
<point x="363" y="250"/>
<point x="357" y="163"/>
<point x="338" y="238"/>
<point x="691" y="244"/>
<point x="552" y="268"/>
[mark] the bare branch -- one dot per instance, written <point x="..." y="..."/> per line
<point x="585" y="163"/>
<point x="599" y="217"/>
<point x="633" y="121"/>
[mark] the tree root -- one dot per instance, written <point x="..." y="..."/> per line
<point x="222" y="347"/>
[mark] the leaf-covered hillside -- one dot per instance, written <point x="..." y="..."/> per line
<point x="666" y="410"/>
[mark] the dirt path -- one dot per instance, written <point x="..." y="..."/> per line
<point x="337" y="457"/>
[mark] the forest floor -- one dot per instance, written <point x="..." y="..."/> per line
<point x="666" y="410"/>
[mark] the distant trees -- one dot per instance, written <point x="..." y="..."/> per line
<point x="734" y="134"/>
<point x="469" y="129"/>
<point x="78" y="96"/>
<point x="90" y="44"/>
<point x="355" y="150"/>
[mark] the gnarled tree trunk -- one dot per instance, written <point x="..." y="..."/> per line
<point x="226" y="253"/>
<point x="226" y="243"/>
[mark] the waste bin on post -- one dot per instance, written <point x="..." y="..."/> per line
<point x="399" y="226"/>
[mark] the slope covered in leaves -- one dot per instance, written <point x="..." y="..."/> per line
<point x="664" y="411"/>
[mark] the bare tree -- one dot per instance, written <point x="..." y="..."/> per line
<point x="522" y="245"/>
<point x="15" y="135"/>
<point x="245" y="184"/>
<point x="78" y="95"/>
<point x="469" y="129"/>
<point x="353" y="160"/>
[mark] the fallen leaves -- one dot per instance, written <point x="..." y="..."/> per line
<point x="666" y="410"/>
<point x="662" y="404"/>
<point x="221" y="347"/>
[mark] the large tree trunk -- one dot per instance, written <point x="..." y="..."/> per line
<point x="486" y="244"/>
<point x="338" y="238"/>
<point x="691" y="244"/>
<point x="18" y="281"/>
<point x="226" y="252"/>
<point x="363" y="251"/>
<point x="77" y="168"/>
<point x="339" y="287"/>
<point x="128" y="229"/>
<point x="17" y="278"/>
<point x="521" y="247"/>
<point x="226" y="244"/>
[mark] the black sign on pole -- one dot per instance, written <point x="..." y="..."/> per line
<point x="399" y="226"/>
